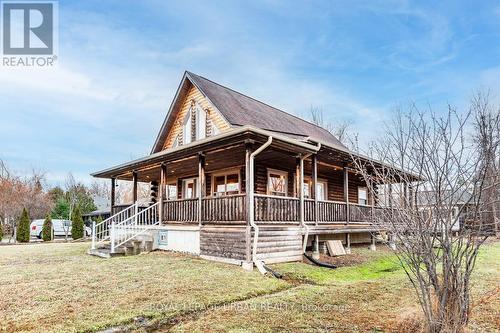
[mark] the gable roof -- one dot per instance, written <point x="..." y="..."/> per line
<point x="241" y="110"/>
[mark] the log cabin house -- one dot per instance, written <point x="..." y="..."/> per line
<point x="237" y="180"/>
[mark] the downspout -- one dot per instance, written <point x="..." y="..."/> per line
<point x="251" y="212"/>
<point x="301" y="192"/>
<point x="302" y="219"/>
<point x="302" y="208"/>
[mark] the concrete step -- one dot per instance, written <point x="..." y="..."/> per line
<point x="131" y="247"/>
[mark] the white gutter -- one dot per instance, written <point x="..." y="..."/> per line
<point x="251" y="195"/>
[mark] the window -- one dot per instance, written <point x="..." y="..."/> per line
<point x="277" y="182"/>
<point x="189" y="188"/>
<point x="226" y="184"/>
<point x="201" y="123"/>
<point x="176" y="142"/>
<point x="171" y="191"/>
<point x="321" y="188"/>
<point x="362" y="196"/>
<point x="200" y="127"/>
<point x="214" y="129"/>
<point x="186" y="129"/>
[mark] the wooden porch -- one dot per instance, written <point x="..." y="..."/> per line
<point x="226" y="189"/>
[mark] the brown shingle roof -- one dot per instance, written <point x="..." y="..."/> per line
<point x="241" y="110"/>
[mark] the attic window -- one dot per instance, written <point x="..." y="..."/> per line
<point x="187" y="128"/>
<point x="214" y="130"/>
<point x="201" y="123"/>
<point x="198" y="117"/>
<point x="176" y="141"/>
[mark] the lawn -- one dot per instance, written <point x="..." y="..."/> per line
<point x="57" y="287"/>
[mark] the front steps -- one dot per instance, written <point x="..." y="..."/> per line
<point x="135" y="246"/>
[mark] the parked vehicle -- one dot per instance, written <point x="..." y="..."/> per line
<point x="61" y="228"/>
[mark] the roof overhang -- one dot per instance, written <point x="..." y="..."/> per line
<point x="216" y="142"/>
<point x="239" y="135"/>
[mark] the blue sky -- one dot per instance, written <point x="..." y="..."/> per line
<point x="120" y="63"/>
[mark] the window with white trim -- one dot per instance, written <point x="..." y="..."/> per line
<point x="362" y="196"/>
<point x="277" y="182"/>
<point x="321" y="188"/>
<point x="187" y="128"/>
<point x="201" y="123"/>
<point x="171" y="191"/>
<point x="199" y="131"/>
<point x="214" y="129"/>
<point x="176" y="141"/>
<point x="226" y="183"/>
<point x="189" y="188"/>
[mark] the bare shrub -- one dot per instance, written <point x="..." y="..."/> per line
<point x="440" y="215"/>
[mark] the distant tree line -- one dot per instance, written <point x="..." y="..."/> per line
<point x="23" y="198"/>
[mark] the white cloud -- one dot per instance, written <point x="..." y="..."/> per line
<point x="56" y="80"/>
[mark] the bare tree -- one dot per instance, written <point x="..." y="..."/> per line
<point x="487" y="136"/>
<point x="17" y="193"/>
<point x="445" y="167"/>
<point x="342" y="130"/>
<point x="101" y="188"/>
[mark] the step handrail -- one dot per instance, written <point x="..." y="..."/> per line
<point x="124" y="225"/>
<point x="102" y="224"/>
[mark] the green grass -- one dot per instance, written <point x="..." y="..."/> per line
<point x="381" y="265"/>
<point x="58" y="288"/>
<point x="371" y="297"/>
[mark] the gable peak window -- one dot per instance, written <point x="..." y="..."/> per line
<point x="195" y="123"/>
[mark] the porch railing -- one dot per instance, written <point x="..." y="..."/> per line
<point x="182" y="210"/>
<point x="231" y="208"/>
<point x="276" y="209"/>
<point x="332" y="211"/>
<point x="360" y="213"/>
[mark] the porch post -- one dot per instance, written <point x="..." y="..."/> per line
<point x="372" y="200"/>
<point x="405" y="194"/>
<point x="346" y="193"/>
<point x="113" y="194"/>
<point x="248" y="187"/>
<point x="410" y="196"/>
<point x="297" y="177"/>
<point x="134" y="190"/>
<point x="373" y="247"/>
<point x="301" y="189"/>
<point x="314" y="195"/>
<point x="390" y="237"/>
<point x="163" y="174"/>
<point x="347" y="208"/>
<point x="348" y="243"/>
<point x="201" y="185"/>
